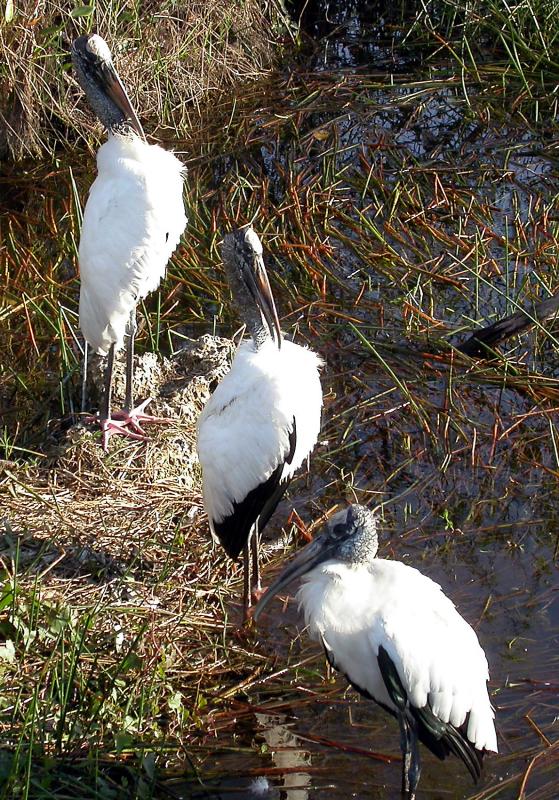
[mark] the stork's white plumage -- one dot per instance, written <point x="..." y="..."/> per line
<point x="132" y="223"/>
<point x="252" y="420"/>
<point x="263" y="419"/>
<point x="398" y="640"/>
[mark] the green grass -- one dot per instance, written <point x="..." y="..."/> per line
<point x="508" y="49"/>
<point x="105" y="640"/>
<point x="395" y="218"/>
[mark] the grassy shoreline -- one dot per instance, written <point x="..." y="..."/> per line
<point x="178" y="57"/>
<point x="174" y="57"/>
<point x="393" y="216"/>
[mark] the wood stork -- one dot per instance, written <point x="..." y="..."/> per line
<point x="132" y="223"/>
<point x="397" y="639"/>
<point x="481" y="343"/>
<point x="263" y="419"/>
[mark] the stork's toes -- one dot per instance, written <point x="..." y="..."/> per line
<point x="136" y="416"/>
<point x="112" y="427"/>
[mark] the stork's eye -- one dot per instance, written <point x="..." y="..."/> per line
<point x="339" y="530"/>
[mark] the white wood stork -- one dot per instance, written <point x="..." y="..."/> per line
<point x="132" y="223"/>
<point x="397" y="639"/>
<point x="263" y="419"/>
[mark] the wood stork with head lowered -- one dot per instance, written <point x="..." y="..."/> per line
<point x="263" y="419"/>
<point x="132" y="223"/>
<point x="398" y="640"/>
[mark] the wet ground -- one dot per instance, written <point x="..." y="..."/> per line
<point x="384" y="259"/>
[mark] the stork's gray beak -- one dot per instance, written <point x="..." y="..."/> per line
<point x="116" y="91"/>
<point x="101" y="70"/>
<point x="311" y="556"/>
<point x="265" y="299"/>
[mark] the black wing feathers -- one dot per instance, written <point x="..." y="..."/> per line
<point x="258" y="506"/>
<point x="440" y="737"/>
<point x="480" y="343"/>
<point x="443" y="738"/>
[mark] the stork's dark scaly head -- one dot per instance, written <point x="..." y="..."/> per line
<point x="244" y="267"/>
<point x="350" y="536"/>
<point x="105" y="91"/>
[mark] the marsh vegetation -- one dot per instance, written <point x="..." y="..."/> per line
<point x="403" y="178"/>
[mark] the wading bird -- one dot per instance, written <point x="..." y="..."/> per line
<point x="397" y="639"/>
<point x="263" y="419"/>
<point x="132" y="223"/>
<point x="481" y="343"/>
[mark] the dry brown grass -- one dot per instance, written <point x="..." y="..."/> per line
<point x="171" y="57"/>
<point x="111" y="582"/>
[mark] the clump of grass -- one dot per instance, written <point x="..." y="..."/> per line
<point x="505" y="50"/>
<point x="171" y="57"/>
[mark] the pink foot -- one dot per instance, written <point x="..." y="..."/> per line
<point x="137" y="416"/>
<point x="258" y="593"/>
<point x="112" y="427"/>
<point x="125" y="423"/>
<point x="248" y="611"/>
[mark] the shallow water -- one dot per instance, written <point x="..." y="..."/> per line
<point x="467" y="478"/>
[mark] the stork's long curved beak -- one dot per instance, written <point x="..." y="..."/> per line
<point x="311" y="556"/>
<point x="262" y="293"/>
<point x="116" y="91"/>
<point x="106" y="77"/>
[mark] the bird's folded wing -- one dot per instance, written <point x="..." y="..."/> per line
<point x="244" y="444"/>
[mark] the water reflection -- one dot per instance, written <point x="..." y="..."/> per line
<point x="353" y="33"/>
<point x="287" y="755"/>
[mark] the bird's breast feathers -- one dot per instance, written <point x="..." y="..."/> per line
<point x="133" y="220"/>
<point x="244" y="430"/>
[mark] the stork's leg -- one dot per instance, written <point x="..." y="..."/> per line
<point x="246" y="580"/>
<point x="111" y="425"/>
<point x="255" y="552"/>
<point x="118" y="422"/>
<point x="129" y="415"/>
<point x="128" y="402"/>
<point x="252" y="588"/>
<point x="415" y="768"/>
<point x="411" y="765"/>
<point x="84" y="376"/>
<point x="106" y="402"/>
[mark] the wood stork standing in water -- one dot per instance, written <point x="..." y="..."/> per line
<point x="263" y="419"/>
<point x="132" y="223"/>
<point x="398" y="640"/>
